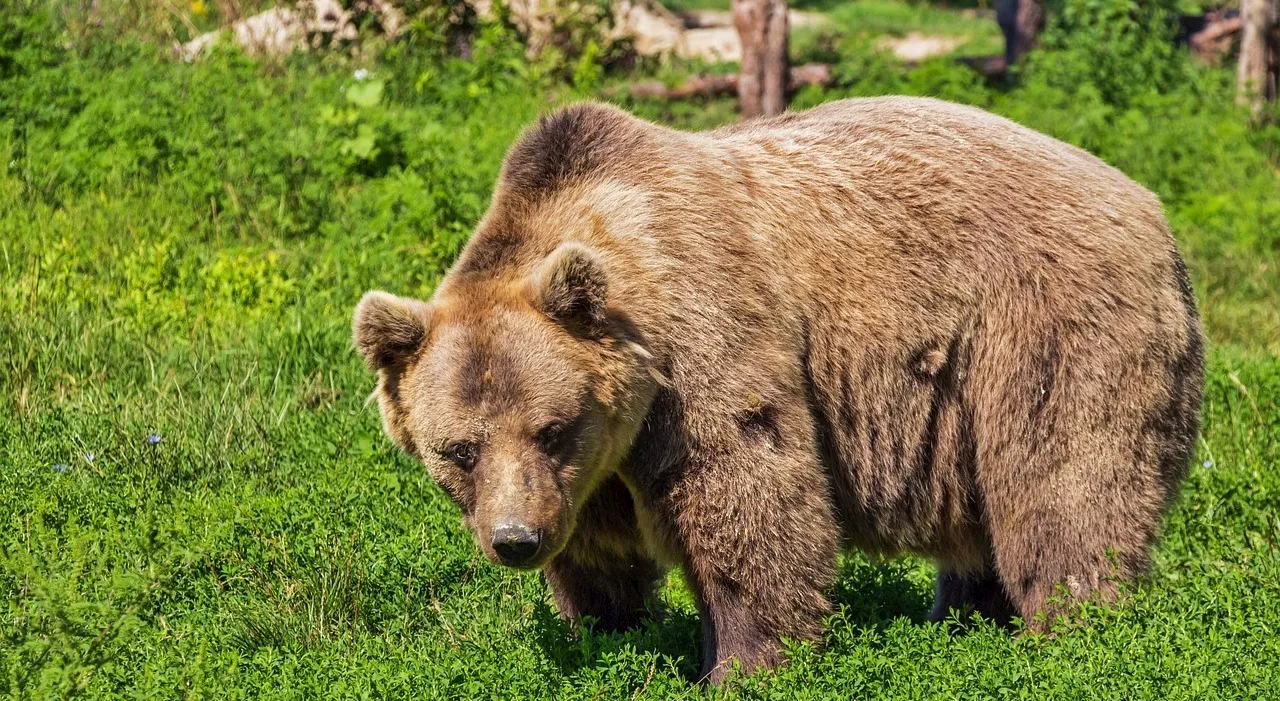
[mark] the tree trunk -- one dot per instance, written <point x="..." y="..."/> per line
<point x="762" y="80"/>
<point x="1029" y="23"/>
<point x="1256" y="73"/>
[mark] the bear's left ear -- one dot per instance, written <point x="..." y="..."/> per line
<point x="571" y="287"/>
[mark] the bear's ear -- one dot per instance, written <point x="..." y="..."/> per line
<point x="571" y="287"/>
<point x="387" y="328"/>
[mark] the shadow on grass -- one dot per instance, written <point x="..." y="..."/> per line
<point x="671" y="633"/>
<point x="878" y="593"/>
<point x="869" y="594"/>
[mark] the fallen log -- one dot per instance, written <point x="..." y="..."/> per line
<point x="987" y="66"/>
<point x="818" y="74"/>
<point x="1212" y="43"/>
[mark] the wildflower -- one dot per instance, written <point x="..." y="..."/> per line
<point x="360" y="74"/>
<point x="89" y="457"/>
<point x="1207" y="464"/>
<point x="59" y="468"/>
<point x="154" y="438"/>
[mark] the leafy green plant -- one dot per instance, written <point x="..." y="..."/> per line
<point x="366" y="139"/>
<point x="1122" y="48"/>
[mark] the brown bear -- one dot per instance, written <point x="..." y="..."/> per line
<point x="894" y="324"/>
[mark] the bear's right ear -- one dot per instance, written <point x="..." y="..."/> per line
<point x="387" y="328"/>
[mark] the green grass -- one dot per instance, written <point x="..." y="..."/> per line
<point x="180" y="250"/>
<point x="687" y="5"/>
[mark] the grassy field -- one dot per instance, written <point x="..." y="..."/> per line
<point x="196" y="498"/>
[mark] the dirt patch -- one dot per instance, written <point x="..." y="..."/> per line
<point x="916" y="47"/>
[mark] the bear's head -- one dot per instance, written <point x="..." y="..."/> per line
<point x="519" y="393"/>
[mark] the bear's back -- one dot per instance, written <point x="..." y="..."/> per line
<point x="888" y="206"/>
<point x="919" y="203"/>
<point x="944" y="164"/>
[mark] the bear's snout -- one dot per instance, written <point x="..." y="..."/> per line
<point x="516" y="544"/>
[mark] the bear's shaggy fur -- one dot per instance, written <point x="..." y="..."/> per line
<point x="894" y="324"/>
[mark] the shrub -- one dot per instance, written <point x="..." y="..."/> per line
<point x="1122" y="48"/>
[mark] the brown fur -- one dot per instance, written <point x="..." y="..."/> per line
<point x="895" y="324"/>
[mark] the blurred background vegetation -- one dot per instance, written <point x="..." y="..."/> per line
<point x="92" y="101"/>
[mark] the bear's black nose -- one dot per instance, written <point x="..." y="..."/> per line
<point x="516" y="543"/>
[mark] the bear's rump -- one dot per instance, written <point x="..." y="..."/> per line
<point x="922" y="432"/>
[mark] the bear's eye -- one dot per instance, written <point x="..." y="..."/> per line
<point x="463" y="454"/>
<point x="551" y="438"/>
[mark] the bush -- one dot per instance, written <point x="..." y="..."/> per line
<point x="1122" y="48"/>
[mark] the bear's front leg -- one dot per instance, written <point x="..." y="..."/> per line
<point x="759" y="537"/>
<point x="603" y="571"/>
<point x="616" y="593"/>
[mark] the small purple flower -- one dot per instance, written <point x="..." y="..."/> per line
<point x="1207" y="464"/>
<point x="89" y="457"/>
<point x="59" y="468"/>
<point x="154" y="438"/>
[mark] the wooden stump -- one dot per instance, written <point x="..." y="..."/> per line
<point x="1256" y="72"/>
<point x="762" y="81"/>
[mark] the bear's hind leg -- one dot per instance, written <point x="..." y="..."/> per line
<point x="1083" y="524"/>
<point x="1082" y="437"/>
<point x="1078" y="521"/>
<point x="1049" y="564"/>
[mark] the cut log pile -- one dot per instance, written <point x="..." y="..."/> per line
<point x="650" y="28"/>
<point x="310" y="24"/>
